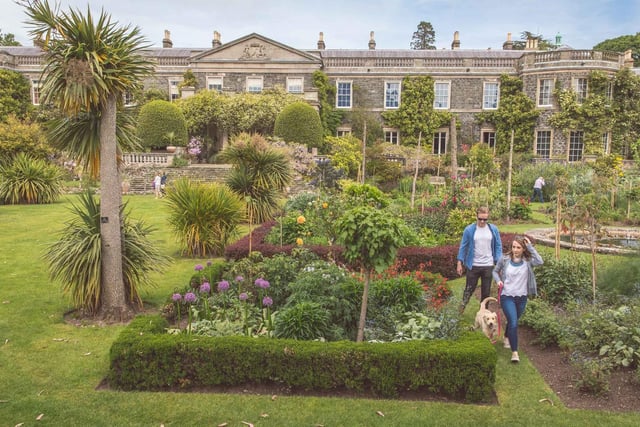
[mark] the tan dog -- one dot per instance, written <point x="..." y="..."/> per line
<point x="487" y="320"/>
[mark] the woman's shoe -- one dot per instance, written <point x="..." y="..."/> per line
<point x="505" y="343"/>
<point x="514" y="357"/>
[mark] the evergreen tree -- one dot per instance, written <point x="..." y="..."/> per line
<point x="424" y="37"/>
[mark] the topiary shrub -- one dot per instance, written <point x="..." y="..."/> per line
<point x="161" y="123"/>
<point x="299" y="122"/>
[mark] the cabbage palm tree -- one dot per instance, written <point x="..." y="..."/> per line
<point x="260" y="173"/>
<point x="89" y="65"/>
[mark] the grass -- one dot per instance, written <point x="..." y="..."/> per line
<point x="53" y="368"/>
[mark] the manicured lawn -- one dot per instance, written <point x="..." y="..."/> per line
<point x="52" y="368"/>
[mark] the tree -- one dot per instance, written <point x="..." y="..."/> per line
<point x="89" y="65"/>
<point x="161" y="123"/>
<point x="371" y="237"/>
<point x="543" y="44"/>
<point x="259" y="174"/>
<point x="15" y="96"/>
<point x="299" y="122"/>
<point x="622" y="44"/>
<point x="8" y="39"/>
<point x="424" y="37"/>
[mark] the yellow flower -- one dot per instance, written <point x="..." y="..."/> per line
<point x="301" y="220"/>
<point x="325" y="205"/>
<point x="299" y="241"/>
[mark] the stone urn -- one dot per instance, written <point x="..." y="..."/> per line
<point x="171" y="148"/>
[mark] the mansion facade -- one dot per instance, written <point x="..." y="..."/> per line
<point x="466" y="82"/>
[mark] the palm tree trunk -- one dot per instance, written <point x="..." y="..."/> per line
<point x="114" y="305"/>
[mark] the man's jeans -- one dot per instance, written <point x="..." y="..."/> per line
<point x="482" y="273"/>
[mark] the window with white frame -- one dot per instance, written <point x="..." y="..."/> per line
<point x="35" y="92"/>
<point x="490" y="96"/>
<point x="545" y="90"/>
<point x="214" y="83"/>
<point x="441" y="95"/>
<point x="174" y="90"/>
<point x="543" y="144"/>
<point x="391" y="94"/>
<point x="440" y="143"/>
<point x="295" y="85"/>
<point x="576" y="145"/>
<point x="343" y="94"/>
<point x="580" y="87"/>
<point x="343" y="131"/>
<point x="606" y="142"/>
<point x="608" y="94"/>
<point x="392" y="136"/>
<point x="489" y="138"/>
<point x="254" y="84"/>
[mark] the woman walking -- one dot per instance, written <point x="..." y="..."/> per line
<point x="516" y="281"/>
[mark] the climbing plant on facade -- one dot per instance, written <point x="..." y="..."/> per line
<point x="516" y="112"/>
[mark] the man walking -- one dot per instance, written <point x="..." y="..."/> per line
<point x="479" y="251"/>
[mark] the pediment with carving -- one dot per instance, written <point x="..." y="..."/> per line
<point x="254" y="48"/>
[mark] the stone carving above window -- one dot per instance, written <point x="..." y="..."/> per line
<point x="254" y="51"/>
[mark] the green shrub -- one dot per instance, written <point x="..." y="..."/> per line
<point x="564" y="280"/>
<point x="303" y="321"/>
<point x="299" y="122"/>
<point x="29" y="181"/>
<point x="75" y="259"/>
<point x="204" y="217"/>
<point x="592" y="376"/>
<point x="540" y="316"/>
<point x="161" y="123"/>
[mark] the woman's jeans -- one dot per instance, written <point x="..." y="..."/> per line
<point x="513" y="307"/>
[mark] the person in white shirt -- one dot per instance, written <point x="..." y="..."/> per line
<point x="537" y="189"/>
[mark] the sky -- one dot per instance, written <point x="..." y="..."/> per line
<point x="346" y="24"/>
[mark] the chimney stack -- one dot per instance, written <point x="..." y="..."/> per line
<point x="372" y="42"/>
<point x="455" y="44"/>
<point x="166" y="41"/>
<point x="321" y="44"/>
<point x="216" y="39"/>
<point x="508" y="45"/>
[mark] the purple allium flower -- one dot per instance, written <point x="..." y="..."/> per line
<point x="205" y="288"/>
<point x="223" y="286"/>
<point x="243" y="296"/>
<point x="208" y="263"/>
<point x="176" y="297"/>
<point x="267" y="301"/>
<point x="199" y="267"/>
<point x="261" y="283"/>
<point x="190" y="297"/>
<point x="239" y="279"/>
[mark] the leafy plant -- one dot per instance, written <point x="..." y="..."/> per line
<point x="564" y="280"/>
<point x="27" y="180"/>
<point x="592" y="376"/>
<point x="204" y="217"/>
<point x="303" y="321"/>
<point x="75" y="259"/>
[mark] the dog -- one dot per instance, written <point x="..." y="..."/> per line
<point x="487" y="320"/>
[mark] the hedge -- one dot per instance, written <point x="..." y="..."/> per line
<point x="145" y="357"/>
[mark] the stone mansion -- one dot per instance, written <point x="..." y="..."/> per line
<point x="466" y="80"/>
